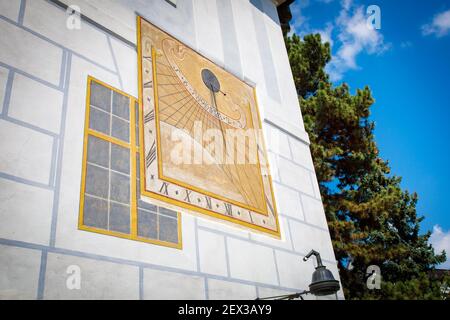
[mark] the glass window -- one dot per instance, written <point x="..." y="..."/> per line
<point x="111" y="202"/>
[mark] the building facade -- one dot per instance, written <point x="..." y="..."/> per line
<point x="76" y="222"/>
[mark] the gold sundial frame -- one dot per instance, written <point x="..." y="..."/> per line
<point x="154" y="184"/>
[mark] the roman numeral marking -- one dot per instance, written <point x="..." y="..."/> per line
<point x="228" y="209"/>
<point x="270" y="205"/>
<point x="149" y="116"/>
<point x="208" y="202"/>
<point x="151" y="155"/>
<point x="148" y="85"/>
<point x="164" y="188"/>
<point x="187" y="198"/>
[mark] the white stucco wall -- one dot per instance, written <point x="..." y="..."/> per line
<point x="43" y="72"/>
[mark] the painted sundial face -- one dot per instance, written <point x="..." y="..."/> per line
<point x="191" y="106"/>
<point x="230" y="99"/>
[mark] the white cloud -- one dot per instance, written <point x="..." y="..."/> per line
<point x="441" y="241"/>
<point x="440" y="26"/>
<point x="300" y="22"/>
<point x="355" y="37"/>
<point x="346" y="4"/>
<point x="325" y="34"/>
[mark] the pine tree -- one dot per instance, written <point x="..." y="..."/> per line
<point x="372" y="221"/>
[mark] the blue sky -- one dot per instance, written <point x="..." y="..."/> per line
<point x="406" y="63"/>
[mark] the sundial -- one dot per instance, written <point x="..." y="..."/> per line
<point x="191" y="106"/>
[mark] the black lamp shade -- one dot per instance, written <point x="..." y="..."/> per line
<point x="323" y="282"/>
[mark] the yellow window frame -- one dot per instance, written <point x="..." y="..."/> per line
<point x="134" y="150"/>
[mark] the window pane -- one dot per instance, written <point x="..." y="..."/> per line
<point x="100" y="96"/>
<point x="120" y="129"/>
<point x="168" y="229"/>
<point x="97" y="181"/>
<point x="167" y="212"/>
<point x="100" y="121"/>
<point x="95" y="212"/>
<point x="98" y="151"/>
<point x="119" y="218"/>
<point x="147" y="224"/>
<point x="120" y="159"/>
<point x="121" y="106"/>
<point x="120" y="188"/>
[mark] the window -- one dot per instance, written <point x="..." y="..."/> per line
<point x="111" y="201"/>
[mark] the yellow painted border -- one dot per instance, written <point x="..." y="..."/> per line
<point x="175" y="202"/>
<point x="133" y="150"/>
<point x="263" y="142"/>
<point x="133" y="218"/>
<point x="108" y="138"/>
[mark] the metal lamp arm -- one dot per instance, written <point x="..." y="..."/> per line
<point x="286" y="297"/>
<point x="318" y="258"/>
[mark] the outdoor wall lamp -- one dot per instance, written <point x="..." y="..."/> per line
<point x="322" y="284"/>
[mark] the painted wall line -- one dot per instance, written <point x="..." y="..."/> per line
<point x="88" y="20"/>
<point x="8" y="90"/>
<point x="10" y="177"/>
<point x="58" y="168"/>
<point x="287" y="132"/>
<point x="56" y="44"/>
<point x="28" y="245"/>
<point x="297" y="253"/>
<point x="42" y="272"/>
<point x="23" y="4"/>
<point x="30" y="76"/>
